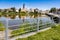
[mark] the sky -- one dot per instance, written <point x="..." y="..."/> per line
<point x="40" y="4"/>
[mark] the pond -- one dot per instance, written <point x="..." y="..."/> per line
<point x="17" y="21"/>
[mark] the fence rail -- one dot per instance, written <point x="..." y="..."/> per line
<point x="18" y="27"/>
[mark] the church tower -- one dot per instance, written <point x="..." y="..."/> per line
<point x="23" y="6"/>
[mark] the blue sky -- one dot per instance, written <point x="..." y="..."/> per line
<point x="41" y="4"/>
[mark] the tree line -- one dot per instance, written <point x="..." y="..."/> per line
<point x="12" y="13"/>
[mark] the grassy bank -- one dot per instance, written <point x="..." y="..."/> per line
<point x="51" y="34"/>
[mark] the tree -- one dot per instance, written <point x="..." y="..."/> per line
<point x="19" y="10"/>
<point x="23" y="14"/>
<point x="19" y="13"/>
<point x="31" y="14"/>
<point x="5" y="13"/>
<point x="53" y="10"/>
<point x="0" y="14"/>
<point x="13" y="9"/>
<point x="0" y="10"/>
<point x="40" y="14"/>
<point x="12" y="14"/>
<point x="35" y="13"/>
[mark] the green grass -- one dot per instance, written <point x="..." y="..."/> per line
<point x="51" y="34"/>
<point x="24" y="28"/>
<point x="1" y="27"/>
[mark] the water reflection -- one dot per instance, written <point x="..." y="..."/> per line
<point x="18" y="21"/>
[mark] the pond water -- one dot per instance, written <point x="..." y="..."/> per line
<point x="18" y="21"/>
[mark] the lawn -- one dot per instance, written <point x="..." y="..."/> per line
<point x="51" y="34"/>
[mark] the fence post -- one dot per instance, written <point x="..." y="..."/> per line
<point x="37" y="24"/>
<point x="59" y="20"/>
<point x="52" y="19"/>
<point x="6" y="30"/>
